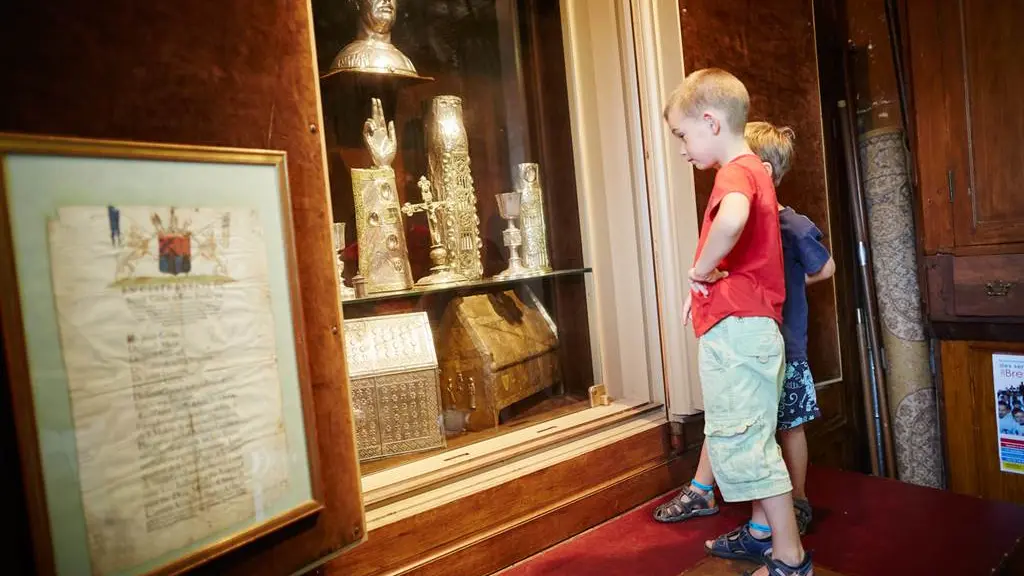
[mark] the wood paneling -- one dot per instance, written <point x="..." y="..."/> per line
<point x="228" y="73"/>
<point x="989" y="285"/>
<point x="775" y="57"/>
<point x="960" y="307"/>
<point x="969" y="405"/>
<point x="989" y="121"/>
<point x="521" y="509"/>
<point x="517" y="541"/>
<point x="778" y="54"/>
<point x="930" y="136"/>
<point x="965" y="75"/>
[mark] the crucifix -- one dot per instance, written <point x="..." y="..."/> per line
<point x="440" y="272"/>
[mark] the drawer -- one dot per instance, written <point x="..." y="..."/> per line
<point x="988" y="285"/>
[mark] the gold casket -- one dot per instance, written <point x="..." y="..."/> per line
<point x="495" y="349"/>
<point x="393" y="371"/>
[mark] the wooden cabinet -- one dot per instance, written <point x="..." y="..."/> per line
<point x="986" y="121"/>
<point x="239" y="74"/>
<point x="969" y="410"/>
<point x="966" y="77"/>
<point x="968" y="128"/>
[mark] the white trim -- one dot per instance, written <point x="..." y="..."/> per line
<point x="507" y="472"/>
<point x="387" y="483"/>
<point x="673" y="201"/>
<point x="614" y="215"/>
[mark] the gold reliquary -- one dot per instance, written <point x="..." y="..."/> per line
<point x="393" y="370"/>
<point x="495" y="350"/>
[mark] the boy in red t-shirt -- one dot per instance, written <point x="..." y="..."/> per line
<point x="737" y="289"/>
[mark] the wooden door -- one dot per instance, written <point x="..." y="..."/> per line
<point x="984" y="81"/>
<point x="785" y="80"/>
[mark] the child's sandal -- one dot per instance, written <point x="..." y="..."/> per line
<point x="802" y="508"/>
<point x="740" y="544"/>
<point x="687" y="504"/>
<point x="776" y="568"/>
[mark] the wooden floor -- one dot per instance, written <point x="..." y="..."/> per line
<point x="719" y="567"/>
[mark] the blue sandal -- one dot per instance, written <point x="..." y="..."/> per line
<point x="804" y="515"/>
<point x="777" y="568"/>
<point x="740" y="544"/>
<point x="687" y="504"/>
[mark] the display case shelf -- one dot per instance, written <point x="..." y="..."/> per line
<point x="462" y="287"/>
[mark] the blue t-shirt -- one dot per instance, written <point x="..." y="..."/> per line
<point x="802" y="254"/>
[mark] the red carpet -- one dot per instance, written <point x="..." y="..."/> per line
<point x="864" y="526"/>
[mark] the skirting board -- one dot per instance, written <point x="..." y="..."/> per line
<point x="489" y="531"/>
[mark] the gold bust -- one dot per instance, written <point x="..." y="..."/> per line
<point x="372" y="50"/>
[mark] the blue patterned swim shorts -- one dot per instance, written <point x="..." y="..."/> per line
<point x="798" y="403"/>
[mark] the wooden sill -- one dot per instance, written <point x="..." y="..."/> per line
<point x="512" y="462"/>
<point x="401" y="482"/>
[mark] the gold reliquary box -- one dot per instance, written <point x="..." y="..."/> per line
<point x="393" y="371"/>
<point x="495" y="349"/>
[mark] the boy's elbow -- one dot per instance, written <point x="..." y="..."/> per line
<point x="829" y="269"/>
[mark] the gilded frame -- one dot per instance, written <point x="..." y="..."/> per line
<point x="20" y="385"/>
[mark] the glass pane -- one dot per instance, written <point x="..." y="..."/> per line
<point x="467" y="218"/>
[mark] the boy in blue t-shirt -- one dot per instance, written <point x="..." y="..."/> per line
<point x="806" y="261"/>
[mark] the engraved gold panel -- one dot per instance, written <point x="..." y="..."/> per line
<point x="393" y="368"/>
<point x="449" y="164"/>
<point x="383" y="255"/>
<point x="531" y="218"/>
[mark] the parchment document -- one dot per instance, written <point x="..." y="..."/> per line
<point x="169" y="344"/>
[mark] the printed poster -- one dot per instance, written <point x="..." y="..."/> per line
<point x="1008" y="375"/>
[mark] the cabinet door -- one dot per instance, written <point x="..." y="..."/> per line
<point x="986" y="119"/>
<point x="970" y="409"/>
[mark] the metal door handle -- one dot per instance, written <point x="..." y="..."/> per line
<point x="998" y="288"/>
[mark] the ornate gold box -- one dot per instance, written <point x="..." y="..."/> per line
<point x="393" y="371"/>
<point x="495" y="349"/>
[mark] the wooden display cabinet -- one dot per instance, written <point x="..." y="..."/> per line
<point x="483" y="53"/>
<point x="243" y="74"/>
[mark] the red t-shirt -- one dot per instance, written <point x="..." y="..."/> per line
<point x="756" y="285"/>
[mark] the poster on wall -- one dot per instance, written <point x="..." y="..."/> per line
<point x="1008" y="375"/>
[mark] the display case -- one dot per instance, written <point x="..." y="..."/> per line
<point x="452" y="151"/>
<point x="560" y="108"/>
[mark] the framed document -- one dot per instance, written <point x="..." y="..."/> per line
<point x="154" y="345"/>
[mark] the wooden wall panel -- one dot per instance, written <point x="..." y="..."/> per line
<point x="770" y="46"/>
<point x="513" y="520"/>
<point x="225" y="73"/>
<point x="789" y="55"/>
<point x="972" y="451"/>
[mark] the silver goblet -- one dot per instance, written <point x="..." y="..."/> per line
<point x="509" y="205"/>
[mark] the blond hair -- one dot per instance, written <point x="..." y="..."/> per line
<point x="711" y="88"/>
<point x="773" y="145"/>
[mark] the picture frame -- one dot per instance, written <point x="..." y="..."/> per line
<point x="155" y="351"/>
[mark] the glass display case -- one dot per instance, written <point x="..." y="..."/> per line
<point x="492" y="301"/>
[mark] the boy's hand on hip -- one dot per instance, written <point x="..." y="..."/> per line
<point x="700" y="281"/>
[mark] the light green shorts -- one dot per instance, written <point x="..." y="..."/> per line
<point x="742" y="369"/>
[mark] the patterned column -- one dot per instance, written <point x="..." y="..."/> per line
<point x="912" y="398"/>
